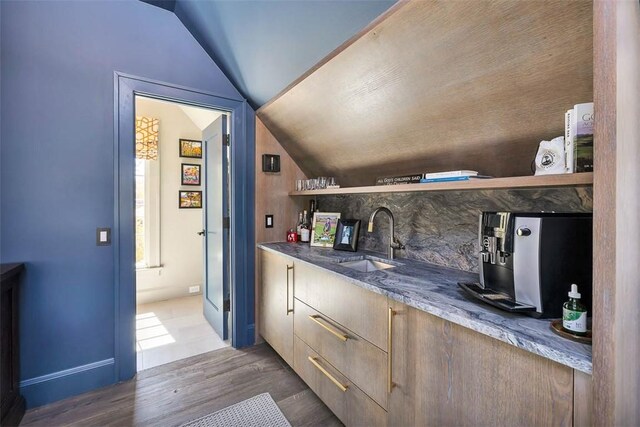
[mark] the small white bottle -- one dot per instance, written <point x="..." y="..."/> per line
<point x="574" y="314"/>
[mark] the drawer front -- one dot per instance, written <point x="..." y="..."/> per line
<point x="362" y="362"/>
<point x="363" y="312"/>
<point x="350" y="404"/>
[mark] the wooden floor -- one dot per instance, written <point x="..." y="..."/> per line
<point x="175" y="393"/>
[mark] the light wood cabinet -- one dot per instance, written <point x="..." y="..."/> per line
<point x="445" y="374"/>
<point x="276" y="303"/>
<point x="350" y="404"/>
<point x="358" y="359"/>
<point x="362" y="311"/>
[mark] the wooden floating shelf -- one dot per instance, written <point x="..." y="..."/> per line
<point x="544" y="181"/>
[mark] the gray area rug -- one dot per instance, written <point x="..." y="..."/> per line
<point x="258" y="411"/>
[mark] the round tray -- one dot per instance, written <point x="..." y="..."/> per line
<point x="556" y="326"/>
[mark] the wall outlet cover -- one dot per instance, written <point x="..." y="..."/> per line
<point x="268" y="221"/>
<point x="194" y="289"/>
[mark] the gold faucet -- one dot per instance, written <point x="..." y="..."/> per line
<point x="393" y="242"/>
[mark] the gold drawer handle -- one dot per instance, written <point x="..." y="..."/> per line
<point x="327" y="374"/>
<point x="340" y="336"/>
<point x="289" y="268"/>
<point x="390" y="383"/>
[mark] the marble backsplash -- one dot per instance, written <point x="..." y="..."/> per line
<point x="442" y="227"/>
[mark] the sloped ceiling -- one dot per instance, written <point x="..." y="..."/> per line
<point x="263" y="46"/>
<point x="439" y="86"/>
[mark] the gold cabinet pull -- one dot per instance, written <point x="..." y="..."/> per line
<point x="390" y="383"/>
<point x="342" y="337"/>
<point x="289" y="310"/>
<point x="327" y="374"/>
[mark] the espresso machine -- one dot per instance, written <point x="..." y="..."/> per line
<point x="528" y="261"/>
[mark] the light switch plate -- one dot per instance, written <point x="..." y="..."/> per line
<point x="103" y="236"/>
<point x="268" y="221"/>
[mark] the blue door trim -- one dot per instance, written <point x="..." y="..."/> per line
<point x="242" y="207"/>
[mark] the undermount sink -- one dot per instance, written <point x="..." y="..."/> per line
<point x="365" y="264"/>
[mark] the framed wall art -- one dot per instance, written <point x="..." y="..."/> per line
<point x="190" y="148"/>
<point x="347" y="233"/>
<point x="190" y="174"/>
<point x="323" y="230"/>
<point x="189" y="199"/>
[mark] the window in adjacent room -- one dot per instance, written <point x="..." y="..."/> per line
<point x="147" y="197"/>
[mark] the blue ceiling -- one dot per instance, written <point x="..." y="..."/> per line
<point x="264" y="45"/>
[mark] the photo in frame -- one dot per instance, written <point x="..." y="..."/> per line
<point x="323" y="230"/>
<point x="189" y="199"/>
<point x="347" y="233"/>
<point x="190" y="148"/>
<point x="190" y="174"/>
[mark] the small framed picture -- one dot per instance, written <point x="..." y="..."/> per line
<point x="190" y="174"/>
<point x="323" y="230"/>
<point x="347" y="234"/>
<point x="190" y="199"/>
<point x="190" y="148"/>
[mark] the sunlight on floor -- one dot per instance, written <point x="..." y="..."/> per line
<point x="150" y="332"/>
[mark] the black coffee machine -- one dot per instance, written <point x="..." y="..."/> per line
<point x="528" y="261"/>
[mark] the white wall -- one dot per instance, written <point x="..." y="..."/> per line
<point x="181" y="249"/>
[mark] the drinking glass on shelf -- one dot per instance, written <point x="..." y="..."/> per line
<point x="322" y="182"/>
<point x="331" y="181"/>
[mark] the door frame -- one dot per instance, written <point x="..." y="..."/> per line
<point x="242" y="165"/>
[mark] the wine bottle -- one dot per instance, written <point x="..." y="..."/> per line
<point x="305" y="229"/>
<point x="299" y="226"/>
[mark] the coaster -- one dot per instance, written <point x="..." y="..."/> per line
<point x="556" y="326"/>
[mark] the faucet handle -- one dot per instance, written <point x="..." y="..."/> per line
<point x="396" y="244"/>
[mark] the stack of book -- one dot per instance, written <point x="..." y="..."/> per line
<point x="402" y="179"/>
<point x="460" y="175"/>
<point x="578" y="138"/>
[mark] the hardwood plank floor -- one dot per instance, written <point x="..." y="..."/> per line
<point x="172" y="394"/>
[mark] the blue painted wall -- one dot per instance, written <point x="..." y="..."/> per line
<point x="57" y="159"/>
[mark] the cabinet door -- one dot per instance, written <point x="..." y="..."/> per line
<point x="445" y="374"/>
<point x="276" y="303"/>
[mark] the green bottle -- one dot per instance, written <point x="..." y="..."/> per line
<point x="574" y="314"/>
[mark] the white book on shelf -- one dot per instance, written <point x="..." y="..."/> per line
<point x="582" y="136"/>
<point x="568" y="141"/>
<point x="449" y="174"/>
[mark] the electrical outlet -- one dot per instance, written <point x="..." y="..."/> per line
<point x="194" y="289"/>
<point x="268" y="221"/>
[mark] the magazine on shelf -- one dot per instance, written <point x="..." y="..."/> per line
<point x="448" y="174"/>
<point x="453" y="178"/>
<point x="582" y="137"/>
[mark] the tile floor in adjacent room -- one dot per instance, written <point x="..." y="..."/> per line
<point x="171" y="330"/>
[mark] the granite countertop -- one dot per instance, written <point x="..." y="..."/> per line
<point x="433" y="289"/>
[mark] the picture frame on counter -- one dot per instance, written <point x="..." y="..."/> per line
<point x="347" y="234"/>
<point x="323" y="229"/>
<point x="188" y="199"/>
<point x="190" y="174"/>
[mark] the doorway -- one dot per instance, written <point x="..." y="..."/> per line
<point x="241" y="251"/>
<point x="181" y="242"/>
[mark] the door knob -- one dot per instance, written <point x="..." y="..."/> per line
<point x="523" y="232"/>
<point x="201" y="233"/>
